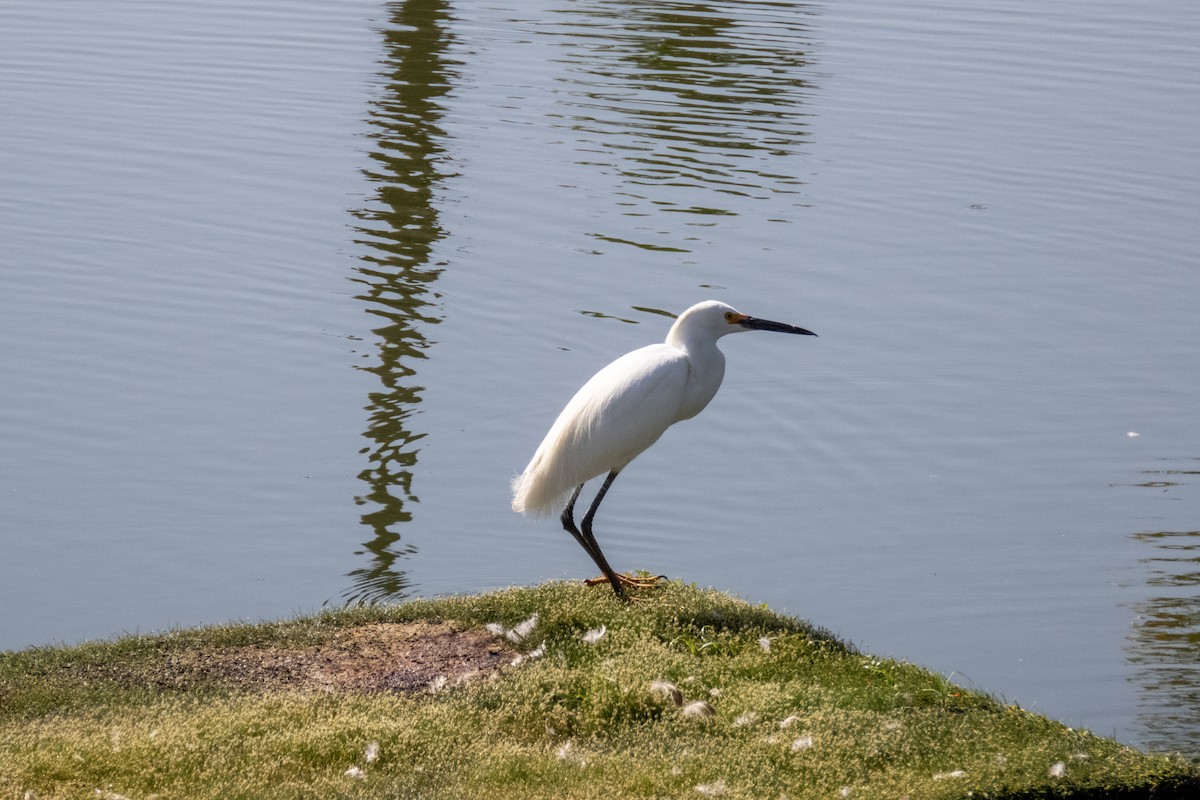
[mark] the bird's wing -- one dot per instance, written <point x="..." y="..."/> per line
<point x="621" y="411"/>
<point x="626" y="406"/>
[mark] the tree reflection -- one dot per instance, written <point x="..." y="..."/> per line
<point x="689" y="95"/>
<point x="678" y="95"/>
<point x="1165" y="644"/>
<point x="399" y="228"/>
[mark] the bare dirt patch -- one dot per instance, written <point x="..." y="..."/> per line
<point x="380" y="657"/>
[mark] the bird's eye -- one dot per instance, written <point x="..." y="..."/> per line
<point x="729" y="316"/>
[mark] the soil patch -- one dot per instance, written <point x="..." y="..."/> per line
<point x="380" y="657"/>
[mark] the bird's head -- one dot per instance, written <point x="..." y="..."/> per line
<point x="713" y="319"/>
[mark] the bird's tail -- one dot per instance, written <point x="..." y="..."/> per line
<point x="520" y="500"/>
<point x="530" y="495"/>
<point x="542" y="489"/>
<point x="560" y="463"/>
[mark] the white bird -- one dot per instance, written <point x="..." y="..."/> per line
<point x="623" y="410"/>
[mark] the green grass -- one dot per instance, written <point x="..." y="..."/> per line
<point x="137" y="718"/>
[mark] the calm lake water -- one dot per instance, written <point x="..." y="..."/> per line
<point x="288" y="293"/>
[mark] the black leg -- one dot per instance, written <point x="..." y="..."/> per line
<point x="591" y="546"/>
<point x="585" y="538"/>
<point x="568" y="521"/>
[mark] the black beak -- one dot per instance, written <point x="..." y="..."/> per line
<point x="755" y="324"/>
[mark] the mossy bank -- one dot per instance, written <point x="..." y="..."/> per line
<point x="558" y="691"/>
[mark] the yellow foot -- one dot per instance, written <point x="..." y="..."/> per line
<point x="642" y="581"/>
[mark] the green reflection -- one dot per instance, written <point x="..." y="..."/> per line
<point x="398" y="230"/>
<point x="687" y="96"/>
<point x="1165" y="644"/>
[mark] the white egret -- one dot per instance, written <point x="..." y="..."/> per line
<point x="624" y="409"/>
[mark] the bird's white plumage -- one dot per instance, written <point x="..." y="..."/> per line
<point x="626" y="407"/>
<point x="622" y="410"/>
<point x="592" y="435"/>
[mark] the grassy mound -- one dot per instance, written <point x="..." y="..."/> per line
<point x="685" y="693"/>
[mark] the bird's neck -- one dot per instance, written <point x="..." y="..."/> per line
<point x="678" y="337"/>
<point x="706" y="368"/>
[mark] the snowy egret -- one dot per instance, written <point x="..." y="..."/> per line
<point x="624" y="409"/>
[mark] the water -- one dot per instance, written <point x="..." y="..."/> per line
<point x="290" y="292"/>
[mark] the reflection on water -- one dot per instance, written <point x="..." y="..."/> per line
<point x="1165" y="643"/>
<point x="399" y="229"/>
<point x="679" y="96"/>
<point x="693" y="108"/>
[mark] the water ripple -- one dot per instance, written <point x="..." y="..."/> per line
<point x="677" y="99"/>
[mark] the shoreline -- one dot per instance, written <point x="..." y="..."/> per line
<point x="548" y="691"/>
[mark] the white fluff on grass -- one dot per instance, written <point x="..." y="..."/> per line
<point x="537" y="652"/>
<point x="523" y="629"/>
<point x="595" y="634"/>
<point x="668" y="690"/>
<point x="958" y="773"/>
<point x="565" y="752"/>
<point x="698" y="708"/>
<point x="516" y="634"/>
